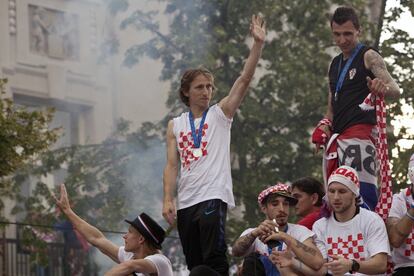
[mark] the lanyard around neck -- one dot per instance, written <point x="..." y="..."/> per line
<point x="342" y="75"/>
<point x="197" y="136"/>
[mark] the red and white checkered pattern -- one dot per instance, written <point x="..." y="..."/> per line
<point x="279" y="187"/>
<point x="186" y="144"/>
<point x="409" y="245"/>
<point x="325" y="122"/>
<point x="351" y="247"/>
<point x="385" y="200"/>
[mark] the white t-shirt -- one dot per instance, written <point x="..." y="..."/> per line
<point x="360" y="238"/>
<point x="162" y="263"/>
<point x="209" y="176"/>
<point x="299" y="232"/>
<point x="402" y="256"/>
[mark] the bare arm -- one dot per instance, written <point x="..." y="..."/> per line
<point x="285" y="259"/>
<point x="375" y="265"/>
<point x="329" y="110"/>
<point x="385" y="83"/>
<point x="128" y="267"/>
<point x="307" y="251"/>
<point x="302" y="268"/>
<point x="231" y="103"/>
<point x="242" y="245"/>
<point x="316" y="139"/>
<point x="170" y="176"/>
<point x="399" y="229"/>
<point x="89" y="232"/>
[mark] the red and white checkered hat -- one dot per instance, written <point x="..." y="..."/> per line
<point x="411" y="169"/>
<point x="280" y="189"/>
<point x="346" y="176"/>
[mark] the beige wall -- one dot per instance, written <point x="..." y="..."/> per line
<point x="48" y="52"/>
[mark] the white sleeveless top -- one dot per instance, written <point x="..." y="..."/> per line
<point x="209" y="176"/>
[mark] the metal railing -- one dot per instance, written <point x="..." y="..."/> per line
<point x="19" y="258"/>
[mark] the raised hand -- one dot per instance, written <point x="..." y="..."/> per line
<point x="63" y="202"/>
<point x="258" y="28"/>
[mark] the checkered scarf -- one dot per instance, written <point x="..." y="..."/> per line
<point x="377" y="101"/>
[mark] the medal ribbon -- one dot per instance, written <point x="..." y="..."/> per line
<point x="197" y="137"/>
<point x="345" y="69"/>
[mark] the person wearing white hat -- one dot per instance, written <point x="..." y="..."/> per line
<point x="400" y="224"/>
<point x="256" y="244"/>
<point x="353" y="240"/>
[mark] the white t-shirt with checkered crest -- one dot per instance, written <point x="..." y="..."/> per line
<point x="209" y="176"/>
<point x="360" y="238"/>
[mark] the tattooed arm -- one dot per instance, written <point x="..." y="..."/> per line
<point x="383" y="83"/>
<point x="243" y="244"/>
<point x="399" y="229"/>
<point x="307" y="252"/>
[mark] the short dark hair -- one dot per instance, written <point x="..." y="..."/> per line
<point x="310" y="186"/>
<point x="188" y="78"/>
<point x="344" y="14"/>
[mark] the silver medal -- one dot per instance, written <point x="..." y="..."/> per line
<point x="197" y="152"/>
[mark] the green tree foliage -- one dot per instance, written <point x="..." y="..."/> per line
<point x="270" y="133"/>
<point x="398" y="51"/>
<point x="105" y="183"/>
<point x="23" y="136"/>
<point x="103" y="178"/>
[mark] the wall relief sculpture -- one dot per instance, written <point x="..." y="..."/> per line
<point x="54" y="33"/>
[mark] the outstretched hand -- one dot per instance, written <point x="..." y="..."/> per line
<point x="63" y="201"/>
<point x="377" y="86"/>
<point x="258" y="28"/>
